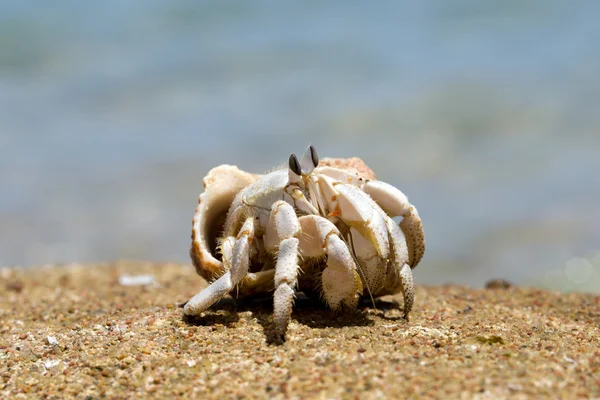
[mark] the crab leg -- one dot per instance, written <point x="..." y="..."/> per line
<point x="240" y="259"/>
<point x="341" y="282"/>
<point x="399" y="256"/>
<point x="395" y="203"/>
<point x="280" y="237"/>
<point x="256" y="283"/>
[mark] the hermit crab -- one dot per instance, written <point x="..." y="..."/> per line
<point x="306" y="227"/>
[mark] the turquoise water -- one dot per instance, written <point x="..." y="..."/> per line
<point x="485" y="114"/>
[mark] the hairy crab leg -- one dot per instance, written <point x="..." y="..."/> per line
<point x="239" y="268"/>
<point x="408" y="289"/>
<point x="399" y="257"/>
<point x="341" y="281"/>
<point x="395" y="203"/>
<point x="281" y="238"/>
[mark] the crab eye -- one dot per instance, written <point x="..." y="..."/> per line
<point x="295" y="165"/>
<point x="309" y="161"/>
<point x="314" y="155"/>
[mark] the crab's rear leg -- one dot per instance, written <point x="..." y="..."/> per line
<point x="398" y="259"/>
<point x="395" y="203"/>
<point x="239" y="254"/>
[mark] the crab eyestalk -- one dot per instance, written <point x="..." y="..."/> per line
<point x="309" y="161"/>
<point x="304" y="167"/>
<point x="295" y="170"/>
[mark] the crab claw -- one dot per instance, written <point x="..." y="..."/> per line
<point x="356" y="209"/>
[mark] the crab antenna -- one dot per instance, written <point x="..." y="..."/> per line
<point x="310" y="160"/>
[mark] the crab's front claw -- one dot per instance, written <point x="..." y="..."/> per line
<point x="395" y="203"/>
<point x="356" y="210"/>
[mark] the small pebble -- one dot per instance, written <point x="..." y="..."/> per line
<point x="498" y="284"/>
<point x="51" y="340"/>
<point x="15" y="286"/>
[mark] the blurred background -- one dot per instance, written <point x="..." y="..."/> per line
<point x="487" y="114"/>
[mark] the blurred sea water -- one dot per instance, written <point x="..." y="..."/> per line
<point x="485" y="113"/>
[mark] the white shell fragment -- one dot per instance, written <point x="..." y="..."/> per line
<point x="51" y="363"/>
<point x="136" y="280"/>
<point x="51" y="340"/>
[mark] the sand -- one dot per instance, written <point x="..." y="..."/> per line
<point x="76" y="332"/>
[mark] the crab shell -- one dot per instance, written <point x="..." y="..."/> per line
<point x="221" y="185"/>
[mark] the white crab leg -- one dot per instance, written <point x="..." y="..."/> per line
<point x="395" y="203"/>
<point x="341" y="282"/>
<point x="413" y="230"/>
<point x="280" y="238"/>
<point x="399" y="258"/>
<point x="239" y="268"/>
